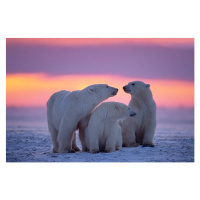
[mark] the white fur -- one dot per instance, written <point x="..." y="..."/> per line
<point x="65" y="109"/>
<point x="141" y="128"/>
<point x="103" y="132"/>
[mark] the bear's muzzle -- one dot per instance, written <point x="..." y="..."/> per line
<point x="114" y="92"/>
<point x="126" y="89"/>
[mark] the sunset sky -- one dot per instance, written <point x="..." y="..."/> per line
<point x="36" y="68"/>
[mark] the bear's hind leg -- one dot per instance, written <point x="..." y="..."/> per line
<point x="65" y="136"/>
<point x="148" y="137"/>
<point x="53" y="134"/>
<point x="148" y="140"/>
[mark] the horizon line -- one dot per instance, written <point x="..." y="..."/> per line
<point x="158" y="107"/>
<point x="49" y="75"/>
<point x="188" y="42"/>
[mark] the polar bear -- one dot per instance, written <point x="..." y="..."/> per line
<point x="65" y="109"/>
<point x="140" y="129"/>
<point x="103" y="132"/>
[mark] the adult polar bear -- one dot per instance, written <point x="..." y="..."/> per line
<point x="141" y="128"/>
<point x="65" y="109"/>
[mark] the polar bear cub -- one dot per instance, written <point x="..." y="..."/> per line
<point x="65" y="109"/>
<point x="140" y="129"/>
<point x="103" y="132"/>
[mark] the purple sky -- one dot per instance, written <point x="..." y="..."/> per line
<point x="143" y="61"/>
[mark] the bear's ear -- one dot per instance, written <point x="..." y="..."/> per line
<point x="148" y="85"/>
<point x="117" y="107"/>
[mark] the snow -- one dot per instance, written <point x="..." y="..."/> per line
<point x="28" y="140"/>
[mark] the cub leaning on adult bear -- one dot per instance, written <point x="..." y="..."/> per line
<point x="141" y="128"/>
<point x="65" y="109"/>
<point x="103" y="132"/>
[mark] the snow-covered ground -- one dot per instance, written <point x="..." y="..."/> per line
<point x="28" y="140"/>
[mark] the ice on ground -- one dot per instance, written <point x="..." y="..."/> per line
<point x="28" y="140"/>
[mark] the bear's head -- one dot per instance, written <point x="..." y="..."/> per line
<point x="122" y="111"/>
<point x="137" y="88"/>
<point x="115" y="111"/>
<point x="101" y="92"/>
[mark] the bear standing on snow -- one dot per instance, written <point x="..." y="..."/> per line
<point x="65" y="109"/>
<point x="140" y="129"/>
<point x="103" y="132"/>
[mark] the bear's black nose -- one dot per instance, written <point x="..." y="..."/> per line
<point x="132" y="114"/>
<point x="124" y="88"/>
<point x="115" y="92"/>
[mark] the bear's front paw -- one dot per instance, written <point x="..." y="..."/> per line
<point x="94" y="151"/>
<point x="134" y="144"/>
<point x="86" y="149"/>
<point x="148" y="145"/>
<point x="76" y="149"/>
<point x="71" y="151"/>
<point x="125" y="145"/>
<point x="108" y="150"/>
<point x="54" y="150"/>
<point x="118" y="148"/>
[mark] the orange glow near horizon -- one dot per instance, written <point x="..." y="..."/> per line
<point x="33" y="90"/>
<point x="100" y="41"/>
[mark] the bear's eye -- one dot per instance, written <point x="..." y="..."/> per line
<point x="107" y="86"/>
<point x="133" y="84"/>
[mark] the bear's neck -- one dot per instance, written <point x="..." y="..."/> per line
<point x="143" y="96"/>
<point x="89" y="103"/>
<point x="141" y="100"/>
